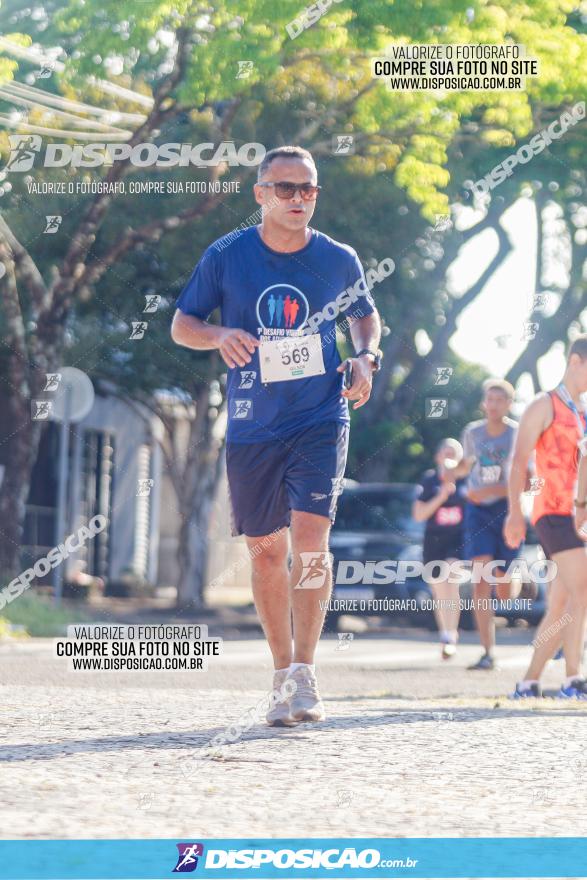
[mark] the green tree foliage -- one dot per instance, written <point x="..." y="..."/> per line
<point x="413" y="153"/>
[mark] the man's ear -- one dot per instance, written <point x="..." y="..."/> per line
<point x="259" y="194"/>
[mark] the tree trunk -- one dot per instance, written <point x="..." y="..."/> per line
<point x="20" y="455"/>
<point x="21" y="435"/>
<point x="199" y="484"/>
<point x="193" y="552"/>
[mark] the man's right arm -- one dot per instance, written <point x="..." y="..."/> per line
<point x="581" y="512"/>
<point x="533" y="423"/>
<point x="235" y="346"/>
<point x="465" y="465"/>
<point x="423" y="510"/>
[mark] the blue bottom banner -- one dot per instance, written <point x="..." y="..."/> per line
<point x="291" y="857"/>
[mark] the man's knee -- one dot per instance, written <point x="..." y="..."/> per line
<point x="269" y="558"/>
<point x="309" y="532"/>
<point x="558" y="598"/>
<point x="578" y="598"/>
<point x="266" y="552"/>
<point x="482" y="590"/>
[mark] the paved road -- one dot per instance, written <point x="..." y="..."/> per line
<point x="411" y="747"/>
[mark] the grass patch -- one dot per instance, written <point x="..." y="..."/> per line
<point x="40" y="617"/>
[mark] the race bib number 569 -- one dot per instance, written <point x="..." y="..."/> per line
<point x="294" y="357"/>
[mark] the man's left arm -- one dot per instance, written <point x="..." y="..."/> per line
<point x="581" y="499"/>
<point x="366" y="335"/>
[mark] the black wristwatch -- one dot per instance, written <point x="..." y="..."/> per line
<point x="376" y="355"/>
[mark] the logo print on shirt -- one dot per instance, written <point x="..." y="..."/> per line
<point x="243" y="409"/>
<point x="282" y="307"/>
<point x="247" y="378"/>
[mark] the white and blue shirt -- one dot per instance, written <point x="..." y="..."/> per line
<point x="273" y="295"/>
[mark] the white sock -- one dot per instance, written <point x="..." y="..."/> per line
<point x="282" y="670"/>
<point x="294" y="666"/>
<point x="525" y="685"/>
<point x="445" y="636"/>
<point x="571" y="678"/>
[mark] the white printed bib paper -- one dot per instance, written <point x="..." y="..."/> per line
<point x="293" y="357"/>
<point x="491" y="473"/>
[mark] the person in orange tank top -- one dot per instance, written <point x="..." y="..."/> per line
<point x="554" y="426"/>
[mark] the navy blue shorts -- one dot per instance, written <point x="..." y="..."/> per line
<point x="304" y="471"/>
<point x="556" y="534"/>
<point x="483" y="525"/>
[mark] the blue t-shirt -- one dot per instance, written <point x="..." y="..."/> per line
<point x="271" y="295"/>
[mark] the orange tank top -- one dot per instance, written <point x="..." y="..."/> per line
<point x="557" y="461"/>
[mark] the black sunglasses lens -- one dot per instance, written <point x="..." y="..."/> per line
<point x="288" y="190"/>
<point x="285" y="190"/>
<point x="309" y="191"/>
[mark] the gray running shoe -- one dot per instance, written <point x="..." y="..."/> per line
<point x="306" y="704"/>
<point x="279" y="714"/>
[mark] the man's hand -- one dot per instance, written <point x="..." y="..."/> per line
<point x="446" y="489"/>
<point x="463" y="468"/>
<point x="580" y="522"/>
<point x="360" y="390"/>
<point x="514" y="529"/>
<point x="236" y="346"/>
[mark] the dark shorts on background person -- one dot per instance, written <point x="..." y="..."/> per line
<point x="304" y="471"/>
<point x="439" y="546"/>
<point x="484" y="531"/>
<point x="556" y="533"/>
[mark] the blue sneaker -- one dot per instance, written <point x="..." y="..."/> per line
<point x="485" y="663"/>
<point x="577" y="690"/>
<point x="532" y="691"/>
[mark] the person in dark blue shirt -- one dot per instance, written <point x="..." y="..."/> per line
<point x="280" y="287"/>
<point x="440" y="503"/>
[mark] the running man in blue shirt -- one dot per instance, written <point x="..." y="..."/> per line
<point x="279" y="287"/>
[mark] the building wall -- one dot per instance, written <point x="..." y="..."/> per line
<point x="145" y="528"/>
<point x="228" y="555"/>
<point x="131" y="436"/>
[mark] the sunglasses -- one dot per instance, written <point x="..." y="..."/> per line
<point x="285" y="190"/>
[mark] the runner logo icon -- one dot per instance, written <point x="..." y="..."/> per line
<point x="247" y="378"/>
<point x="243" y="409"/>
<point x="315" y="567"/>
<point x="187" y="860"/>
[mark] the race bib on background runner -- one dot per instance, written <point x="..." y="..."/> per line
<point x="294" y="357"/>
<point x="490" y="473"/>
<point x="448" y="516"/>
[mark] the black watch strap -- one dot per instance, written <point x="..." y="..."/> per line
<point x="376" y="355"/>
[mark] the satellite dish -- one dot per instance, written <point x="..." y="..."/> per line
<point x="74" y="397"/>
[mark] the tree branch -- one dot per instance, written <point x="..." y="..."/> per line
<point x="15" y="337"/>
<point x="72" y="266"/>
<point x="406" y="393"/>
<point x="25" y="267"/>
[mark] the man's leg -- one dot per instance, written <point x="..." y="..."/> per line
<point x="482" y="609"/>
<point x="270" y="577"/>
<point x="572" y="569"/>
<point x="447" y="612"/>
<point x="313" y="478"/>
<point x="551" y="630"/>
<point x="565" y="618"/>
<point x="309" y="544"/>
<point x="311" y="583"/>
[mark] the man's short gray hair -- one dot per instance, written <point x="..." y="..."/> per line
<point x="284" y="153"/>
